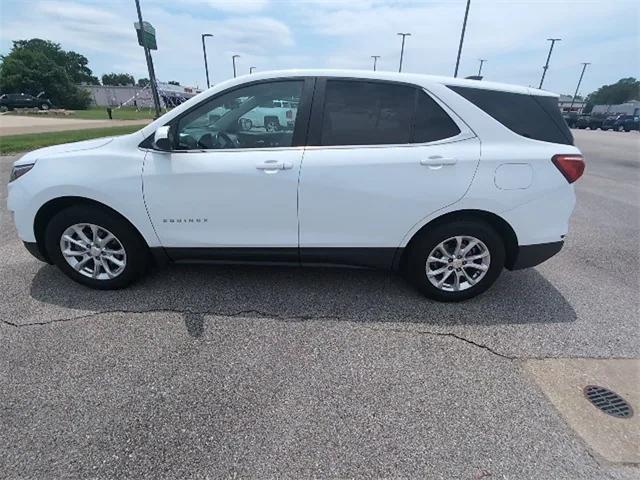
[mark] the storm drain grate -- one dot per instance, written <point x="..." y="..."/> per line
<point x="608" y="401"/>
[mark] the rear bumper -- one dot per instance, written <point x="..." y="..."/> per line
<point x="532" y="255"/>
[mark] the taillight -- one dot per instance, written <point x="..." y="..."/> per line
<point x="289" y="114"/>
<point x="571" y="166"/>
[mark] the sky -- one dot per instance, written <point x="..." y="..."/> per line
<point x="278" y="34"/>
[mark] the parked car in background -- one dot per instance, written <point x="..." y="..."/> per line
<point x="10" y="101"/>
<point x="609" y="123"/>
<point x="272" y="116"/>
<point x="592" y="122"/>
<point x="627" y="123"/>
<point x="444" y="179"/>
<point x="571" y="118"/>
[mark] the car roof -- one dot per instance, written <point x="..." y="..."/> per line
<point x="415" y="78"/>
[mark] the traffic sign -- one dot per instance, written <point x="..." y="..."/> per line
<point x="146" y="35"/>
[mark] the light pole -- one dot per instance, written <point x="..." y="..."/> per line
<point x="464" y="28"/>
<point x="204" y="52"/>
<point x="233" y="59"/>
<point x="251" y="69"/>
<point x="152" y="73"/>
<point x="482" y="60"/>
<point x="584" y="67"/>
<point x="546" y="65"/>
<point x="404" y="35"/>
<point x="375" y="61"/>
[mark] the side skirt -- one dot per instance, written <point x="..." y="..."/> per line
<point x="378" y="258"/>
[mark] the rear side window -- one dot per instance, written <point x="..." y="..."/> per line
<point x="432" y="122"/>
<point x="367" y="113"/>
<point x="536" y="117"/>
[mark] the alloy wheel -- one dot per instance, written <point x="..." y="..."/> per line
<point x="93" y="251"/>
<point x="458" y="263"/>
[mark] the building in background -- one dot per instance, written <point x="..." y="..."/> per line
<point x="564" y="102"/>
<point x="632" y="107"/>
<point x="115" y="96"/>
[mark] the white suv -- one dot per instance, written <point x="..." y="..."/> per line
<point x="448" y="180"/>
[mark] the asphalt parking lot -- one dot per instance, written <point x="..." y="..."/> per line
<point x="263" y="372"/>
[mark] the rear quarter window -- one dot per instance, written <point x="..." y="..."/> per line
<point x="536" y="117"/>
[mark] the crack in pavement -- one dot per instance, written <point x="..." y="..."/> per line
<point x="260" y="314"/>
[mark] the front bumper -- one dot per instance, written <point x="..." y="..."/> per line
<point x="532" y="255"/>
<point x="33" y="249"/>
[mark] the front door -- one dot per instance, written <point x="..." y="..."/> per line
<point x="230" y="185"/>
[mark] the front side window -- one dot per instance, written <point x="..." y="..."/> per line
<point x="367" y="113"/>
<point x="256" y="116"/>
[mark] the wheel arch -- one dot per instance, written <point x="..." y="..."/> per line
<point x="55" y="205"/>
<point x="499" y="224"/>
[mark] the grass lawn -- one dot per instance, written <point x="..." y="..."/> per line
<point x="31" y="141"/>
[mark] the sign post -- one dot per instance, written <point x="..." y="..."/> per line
<point x="147" y="39"/>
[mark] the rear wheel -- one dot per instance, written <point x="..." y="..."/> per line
<point x="95" y="247"/>
<point x="455" y="261"/>
<point x="44" y="106"/>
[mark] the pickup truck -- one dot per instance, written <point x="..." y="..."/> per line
<point x="274" y="116"/>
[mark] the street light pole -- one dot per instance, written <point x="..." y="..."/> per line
<point x="152" y="74"/>
<point x="584" y="67"/>
<point x="233" y="59"/>
<point x="204" y="52"/>
<point x="482" y="60"/>
<point x="546" y="65"/>
<point x="464" y="28"/>
<point x="402" y="49"/>
<point x="375" y="61"/>
<point x="251" y="69"/>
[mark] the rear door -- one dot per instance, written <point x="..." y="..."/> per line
<point x="381" y="157"/>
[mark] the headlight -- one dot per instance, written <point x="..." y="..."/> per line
<point x="19" y="170"/>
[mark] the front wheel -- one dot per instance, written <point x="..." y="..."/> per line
<point x="455" y="261"/>
<point x="44" y="106"/>
<point x="95" y="247"/>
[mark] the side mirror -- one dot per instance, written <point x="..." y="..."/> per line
<point x="163" y="139"/>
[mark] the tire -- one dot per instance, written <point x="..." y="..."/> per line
<point x="44" y="106"/>
<point x="136" y="253"/>
<point x="423" y="246"/>
<point x="3" y="108"/>
<point x="271" y="124"/>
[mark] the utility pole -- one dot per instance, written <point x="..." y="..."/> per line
<point x="584" y="67"/>
<point x="233" y="59"/>
<point x="375" y="61"/>
<point x="152" y="74"/>
<point x="402" y="49"/>
<point x="204" y="52"/>
<point x="546" y="65"/>
<point x="251" y="69"/>
<point x="482" y="60"/>
<point x="464" y="28"/>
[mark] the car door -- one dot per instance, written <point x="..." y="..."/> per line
<point x="229" y="188"/>
<point x="382" y="156"/>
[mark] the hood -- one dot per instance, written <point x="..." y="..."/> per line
<point x="34" y="155"/>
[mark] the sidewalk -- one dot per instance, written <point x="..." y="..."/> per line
<point x="18" y="124"/>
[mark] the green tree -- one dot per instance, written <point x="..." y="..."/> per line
<point x="116" y="79"/>
<point x="36" y="65"/>
<point x="622" y="91"/>
<point x="143" y="82"/>
<point x="173" y="82"/>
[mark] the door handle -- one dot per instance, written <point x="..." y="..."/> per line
<point x="274" y="165"/>
<point x="437" y="161"/>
